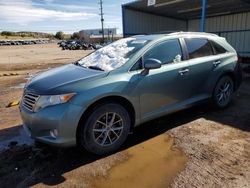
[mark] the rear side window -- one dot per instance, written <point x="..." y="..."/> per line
<point x="218" y="49"/>
<point x="198" y="47"/>
<point x="167" y="52"/>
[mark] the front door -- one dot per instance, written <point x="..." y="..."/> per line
<point x="166" y="87"/>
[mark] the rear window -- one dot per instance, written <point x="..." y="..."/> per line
<point x="198" y="47"/>
<point x="218" y="49"/>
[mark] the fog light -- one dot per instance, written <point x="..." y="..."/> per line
<point x="54" y="133"/>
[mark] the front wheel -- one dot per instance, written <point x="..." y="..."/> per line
<point x="223" y="92"/>
<point x="105" y="130"/>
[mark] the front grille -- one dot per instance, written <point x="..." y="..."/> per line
<point x="29" y="100"/>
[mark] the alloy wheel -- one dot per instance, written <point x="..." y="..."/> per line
<point x="224" y="92"/>
<point x="108" y="129"/>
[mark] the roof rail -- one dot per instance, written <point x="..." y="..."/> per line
<point x="181" y="33"/>
<point x="188" y="32"/>
<point x="162" y="32"/>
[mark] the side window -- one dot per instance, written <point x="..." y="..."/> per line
<point x="167" y="52"/>
<point x="218" y="49"/>
<point x="137" y="65"/>
<point x="198" y="47"/>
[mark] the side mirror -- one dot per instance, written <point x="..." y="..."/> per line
<point x="150" y="64"/>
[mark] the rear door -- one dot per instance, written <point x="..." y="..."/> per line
<point x="202" y="63"/>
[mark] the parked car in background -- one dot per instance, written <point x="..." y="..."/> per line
<point x="96" y="101"/>
<point x="23" y="42"/>
<point x="77" y="45"/>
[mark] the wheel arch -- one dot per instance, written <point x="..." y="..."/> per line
<point x="231" y="75"/>
<point x="116" y="99"/>
<point x="217" y="104"/>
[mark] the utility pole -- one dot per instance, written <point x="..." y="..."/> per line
<point x="108" y="33"/>
<point x="102" y="20"/>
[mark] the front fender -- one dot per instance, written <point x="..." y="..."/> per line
<point x="124" y="87"/>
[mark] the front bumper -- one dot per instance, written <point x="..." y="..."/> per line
<point x="64" y="118"/>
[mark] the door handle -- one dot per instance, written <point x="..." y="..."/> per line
<point x="183" y="71"/>
<point x="216" y="63"/>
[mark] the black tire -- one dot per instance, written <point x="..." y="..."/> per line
<point x="93" y="132"/>
<point x="221" y="95"/>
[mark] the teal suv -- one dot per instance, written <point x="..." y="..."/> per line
<point x="96" y="101"/>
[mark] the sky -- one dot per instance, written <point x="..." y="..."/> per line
<point x="50" y="16"/>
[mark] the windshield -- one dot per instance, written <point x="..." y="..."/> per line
<point x="113" y="55"/>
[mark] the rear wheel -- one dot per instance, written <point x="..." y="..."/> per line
<point x="223" y="92"/>
<point x="105" y="130"/>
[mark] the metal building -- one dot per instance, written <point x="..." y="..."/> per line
<point x="107" y="31"/>
<point x="227" y="18"/>
<point x="95" y="35"/>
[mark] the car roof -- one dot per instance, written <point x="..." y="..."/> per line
<point x="148" y="37"/>
<point x="175" y="34"/>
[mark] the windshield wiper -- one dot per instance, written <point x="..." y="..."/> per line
<point x="89" y="67"/>
<point x="77" y="63"/>
<point x="95" y="68"/>
<point x="80" y="65"/>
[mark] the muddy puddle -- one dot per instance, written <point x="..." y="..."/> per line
<point x="153" y="163"/>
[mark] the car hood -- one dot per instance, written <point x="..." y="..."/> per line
<point x="48" y="81"/>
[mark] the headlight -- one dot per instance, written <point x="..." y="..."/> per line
<point x="50" y="100"/>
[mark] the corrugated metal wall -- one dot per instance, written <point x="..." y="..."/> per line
<point x="235" y="28"/>
<point x="135" y="22"/>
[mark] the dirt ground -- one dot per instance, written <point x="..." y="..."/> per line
<point x="197" y="147"/>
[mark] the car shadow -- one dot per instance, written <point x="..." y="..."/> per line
<point x="47" y="165"/>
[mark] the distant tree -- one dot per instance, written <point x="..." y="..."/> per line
<point x="59" y="35"/>
<point x="50" y="36"/>
<point x="7" y="33"/>
<point x="75" y="35"/>
<point x="4" y="33"/>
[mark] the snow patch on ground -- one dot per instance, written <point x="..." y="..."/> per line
<point x="21" y="139"/>
<point x="33" y="75"/>
<point x="29" y="77"/>
<point x="19" y="86"/>
<point x="109" y="57"/>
